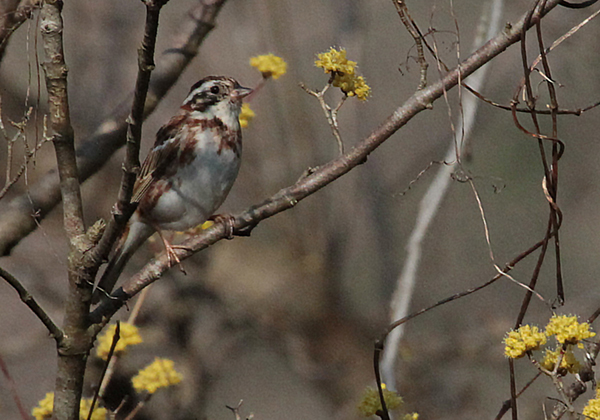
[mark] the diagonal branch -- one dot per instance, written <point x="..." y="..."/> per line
<point x="324" y="175"/>
<point x="29" y="300"/>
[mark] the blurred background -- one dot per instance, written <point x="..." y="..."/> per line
<point x="286" y="319"/>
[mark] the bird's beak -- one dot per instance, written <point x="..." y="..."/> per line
<point x="240" y="93"/>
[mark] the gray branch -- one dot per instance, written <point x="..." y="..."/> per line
<point x="324" y="175"/>
<point x="18" y="217"/>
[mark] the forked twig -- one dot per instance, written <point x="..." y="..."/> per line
<point x="330" y="114"/>
<point x="414" y="31"/>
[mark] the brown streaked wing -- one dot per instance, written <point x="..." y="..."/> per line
<point x="158" y="158"/>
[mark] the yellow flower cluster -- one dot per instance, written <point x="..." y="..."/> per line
<point x="353" y="85"/>
<point x="334" y="61"/>
<point x="269" y="65"/>
<point x="344" y="71"/>
<point x="46" y="406"/>
<point x="370" y="403"/>
<point x="568" y="362"/>
<point x="568" y="330"/>
<point x="246" y="115"/>
<point x="159" y="374"/>
<point x="129" y="336"/>
<point x="99" y="413"/>
<point x="522" y="340"/>
<point x="592" y="408"/>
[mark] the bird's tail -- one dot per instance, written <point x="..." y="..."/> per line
<point x="135" y="236"/>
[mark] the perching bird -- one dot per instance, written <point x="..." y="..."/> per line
<point x="189" y="171"/>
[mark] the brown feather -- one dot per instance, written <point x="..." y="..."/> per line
<point x="158" y="158"/>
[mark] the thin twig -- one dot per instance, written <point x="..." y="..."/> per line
<point x="330" y="114"/>
<point x="28" y="154"/>
<point x="123" y="209"/>
<point x="95" y="151"/>
<point x="113" y="360"/>
<point x="13" y="390"/>
<point x="109" y="359"/>
<point x="322" y="176"/>
<point x="413" y="30"/>
<point x="27" y="299"/>
<point x="236" y="411"/>
<point x="507" y="404"/>
<point x="379" y="343"/>
<point x="138" y="407"/>
<point x="400" y="302"/>
<point x="12" y="14"/>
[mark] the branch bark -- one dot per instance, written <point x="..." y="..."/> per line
<point x="19" y="217"/>
<point x="12" y="14"/>
<point x="73" y="347"/>
<point x="123" y="210"/>
<point x="324" y="175"/>
<point x="30" y="301"/>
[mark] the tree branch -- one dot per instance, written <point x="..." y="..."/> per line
<point x="18" y="217"/>
<point x="324" y="175"/>
<point x="123" y="209"/>
<point x="29" y="300"/>
<point x="12" y="14"/>
<point x="73" y="347"/>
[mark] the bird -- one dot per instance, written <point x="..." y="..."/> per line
<point x="187" y="174"/>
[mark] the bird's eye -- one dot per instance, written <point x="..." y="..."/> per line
<point x="215" y="90"/>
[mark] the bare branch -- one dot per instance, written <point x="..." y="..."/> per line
<point x="322" y="176"/>
<point x="55" y="331"/>
<point x="74" y="344"/>
<point x="413" y="30"/>
<point x="12" y="14"/>
<point x="400" y="303"/>
<point x="55" y="69"/>
<point x="330" y="114"/>
<point x="18" y="217"/>
<point x="124" y="209"/>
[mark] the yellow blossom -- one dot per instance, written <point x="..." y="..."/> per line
<point x="246" y="115"/>
<point x="158" y="374"/>
<point x="46" y="406"/>
<point x="370" y="403"/>
<point x="129" y="336"/>
<point x="411" y="416"/>
<point x="568" y="330"/>
<point x="344" y="73"/>
<point x="334" y="61"/>
<point x="568" y="362"/>
<point x="522" y="340"/>
<point x="352" y="85"/>
<point x="269" y="65"/>
<point x="99" y="413"/>
<point x="592" y="409"/>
